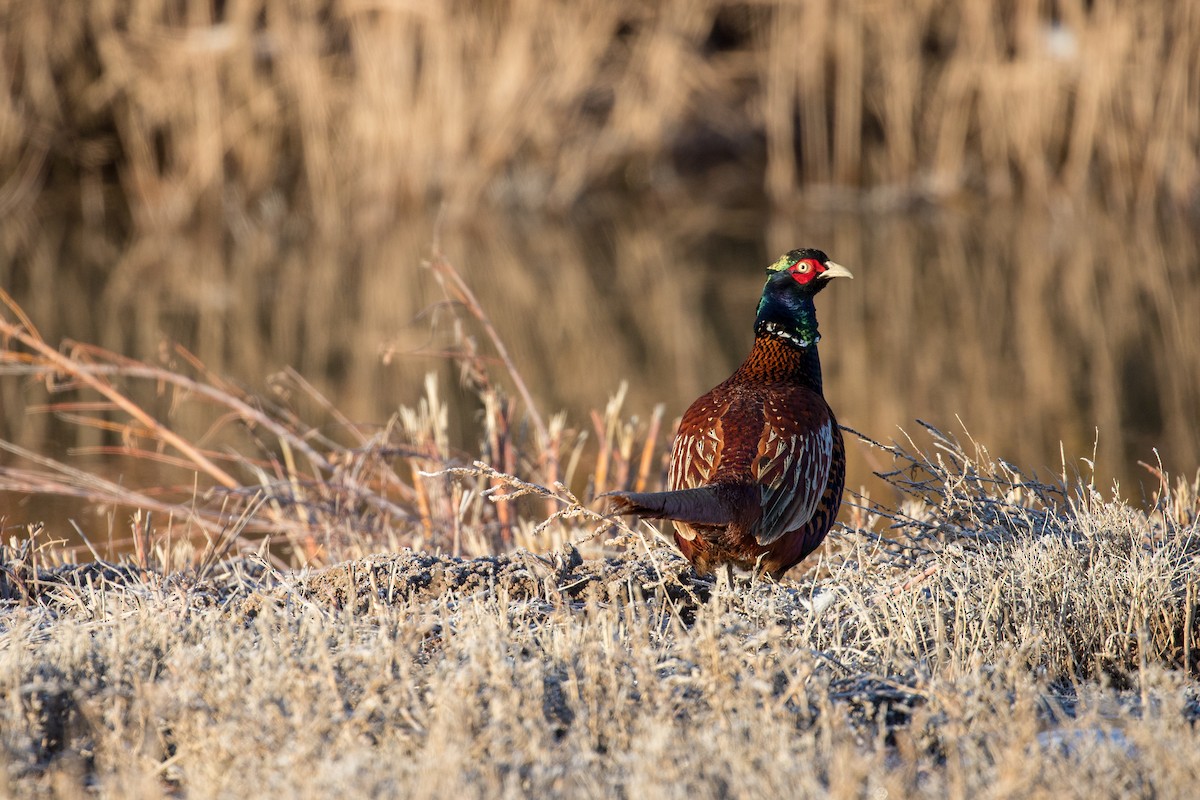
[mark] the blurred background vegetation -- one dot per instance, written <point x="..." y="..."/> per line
<point x="1016" y="185"/>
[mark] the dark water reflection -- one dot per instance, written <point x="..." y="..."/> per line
<point x="1029" y="328"/>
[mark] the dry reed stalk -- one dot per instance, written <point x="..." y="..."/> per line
<point x="546" y="444"/>
<point x="337" y="501"/>
<point x="648" y="448"/>
<point x="334" y="479"/>
<point x="77" y="370"/>
<point x="459" y="292"/>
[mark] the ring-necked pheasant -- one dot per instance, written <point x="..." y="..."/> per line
<point x="757" y="466"/>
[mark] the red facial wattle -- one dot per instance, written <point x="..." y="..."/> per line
<point x="805" y="270"/>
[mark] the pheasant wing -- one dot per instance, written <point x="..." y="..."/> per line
<point x="697" y="451"/>
<point x="792" y="466"/>
<point x="698" y="447"/>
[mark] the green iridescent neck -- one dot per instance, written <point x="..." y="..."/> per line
<point x="787" y="314"/>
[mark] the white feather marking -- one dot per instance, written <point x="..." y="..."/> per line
<point x="815" y="477"/>
<point x="789" y="507"/>
<point x="694" y="459"/>
<point x="679" y="461"/>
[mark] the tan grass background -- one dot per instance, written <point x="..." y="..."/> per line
<point x="349" y="110"/>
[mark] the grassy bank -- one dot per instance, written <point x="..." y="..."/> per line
<point x="984" y="632"/>
<point x="1005" y="640"/>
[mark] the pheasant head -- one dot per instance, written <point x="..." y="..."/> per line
<point x="786" y="309"/>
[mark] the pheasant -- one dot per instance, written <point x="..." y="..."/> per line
<point x="758" y="465"/>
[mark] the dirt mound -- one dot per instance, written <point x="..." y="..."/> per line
<point x="553" y="577"/>
<point x="406" y="577"/>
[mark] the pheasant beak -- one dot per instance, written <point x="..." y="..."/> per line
<point x="833" y="270"/>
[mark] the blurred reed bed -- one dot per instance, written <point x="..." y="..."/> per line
<point x="257" y="171"/>
<point x="161" y="116"/>
<point x="256" y="180"/>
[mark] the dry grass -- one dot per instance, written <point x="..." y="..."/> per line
<point x="1007" y="640"/>
<point x="235" y="470"/>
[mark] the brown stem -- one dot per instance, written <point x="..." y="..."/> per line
<point x="459" y="290"/>
<point x="72" y="367"/>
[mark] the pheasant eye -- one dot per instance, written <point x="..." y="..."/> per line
<point x="804" y="267"/>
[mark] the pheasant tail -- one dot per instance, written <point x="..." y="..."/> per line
<point x="700" y="506"/>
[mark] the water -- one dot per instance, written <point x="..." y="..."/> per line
<point x="1040" y="335"/>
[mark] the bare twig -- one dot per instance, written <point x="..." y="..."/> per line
<point x="458" y="290"/>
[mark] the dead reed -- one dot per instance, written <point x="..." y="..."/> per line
<point x="208" y="114"/>
<point x="254" y="466"/>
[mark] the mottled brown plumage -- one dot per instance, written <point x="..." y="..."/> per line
<point x="758" y="464"/>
